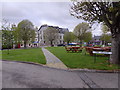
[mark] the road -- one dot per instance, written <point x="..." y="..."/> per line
<point x="22" y="75"/>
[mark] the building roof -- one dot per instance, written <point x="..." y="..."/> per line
<point x="96" y="37"/>
<point x="61" y="30"/>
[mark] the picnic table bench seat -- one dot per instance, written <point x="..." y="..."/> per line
<point x="73" y="49"/>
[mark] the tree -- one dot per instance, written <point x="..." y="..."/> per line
<point x="69" y="37"/>
<point x="0" y="39"/>
<point x="105" y="29"/>
<point x="7" y="39"/>
<point x="81" y="30"/>
<point x="7" y="36"/>
<point x="51" y="34"/>
<point x="106" y="12"/>
<point x="105" y="37"/>
<point x="88" y="36"/>
<point x="16" y="35"/>
<point x="26" y="31"/>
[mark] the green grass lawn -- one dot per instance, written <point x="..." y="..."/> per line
<point x="29" y="55"/>
<point x="79" y="60"/>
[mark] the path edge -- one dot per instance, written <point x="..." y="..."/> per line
<point x="69" y="69"/>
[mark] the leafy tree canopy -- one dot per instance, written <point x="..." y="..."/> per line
<point x="81" y="30"/>
<point x="51" y="34"/>
<point x="26" y="31"/>
<point x="69" y="37"/>
<point x="106" y="12"/>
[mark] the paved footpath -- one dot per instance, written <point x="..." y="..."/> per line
<point x="52" y="60"/>
<point x="22" y="75"/>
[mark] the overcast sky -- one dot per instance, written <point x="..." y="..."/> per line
<point x="39" y="13"/>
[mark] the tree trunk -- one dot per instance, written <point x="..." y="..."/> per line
<point x="25" y="44"/>
<point x="51" y="42"/>
<point x="68" y="42"/>
<point x="115" y="57"/>
<point x="81" y="42"/>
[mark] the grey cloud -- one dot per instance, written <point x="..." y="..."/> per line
<point x="56" y="13"/>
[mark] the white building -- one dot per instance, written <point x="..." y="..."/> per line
<point x="60" y="39"/>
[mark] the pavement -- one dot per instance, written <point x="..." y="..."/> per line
<point x="23" y="75"/>
<point x="0" y="75"/>
<point x="52" y="60"/>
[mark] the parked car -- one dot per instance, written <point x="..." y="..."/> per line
<point x="72" y="44"/>
<point x="61" y="45"/>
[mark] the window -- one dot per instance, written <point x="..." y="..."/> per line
<point x="60" y="37"/>
<point x="60" y="41"/>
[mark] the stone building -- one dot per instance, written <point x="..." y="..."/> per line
<point x="96" y="40"/>
<point x="59" y="40"/>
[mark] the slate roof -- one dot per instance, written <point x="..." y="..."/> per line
<point x="61" y="30"/>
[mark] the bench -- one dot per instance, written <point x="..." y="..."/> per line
<point x="101" y="52"/>
<point x="91" y="49"/>
<point x="67" y="49"/>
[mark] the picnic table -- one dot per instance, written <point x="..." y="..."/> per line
<point x="105" y="51"/>
<point x="91" y="49"/>
<point x="73" y="49"/>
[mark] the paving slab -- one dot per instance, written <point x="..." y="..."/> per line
<point x="52" y="60"/>
<point x="104" y="80"/>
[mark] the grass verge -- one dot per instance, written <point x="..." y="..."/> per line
<point x="80" y="60"/>
<point x="28" y="55"/>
